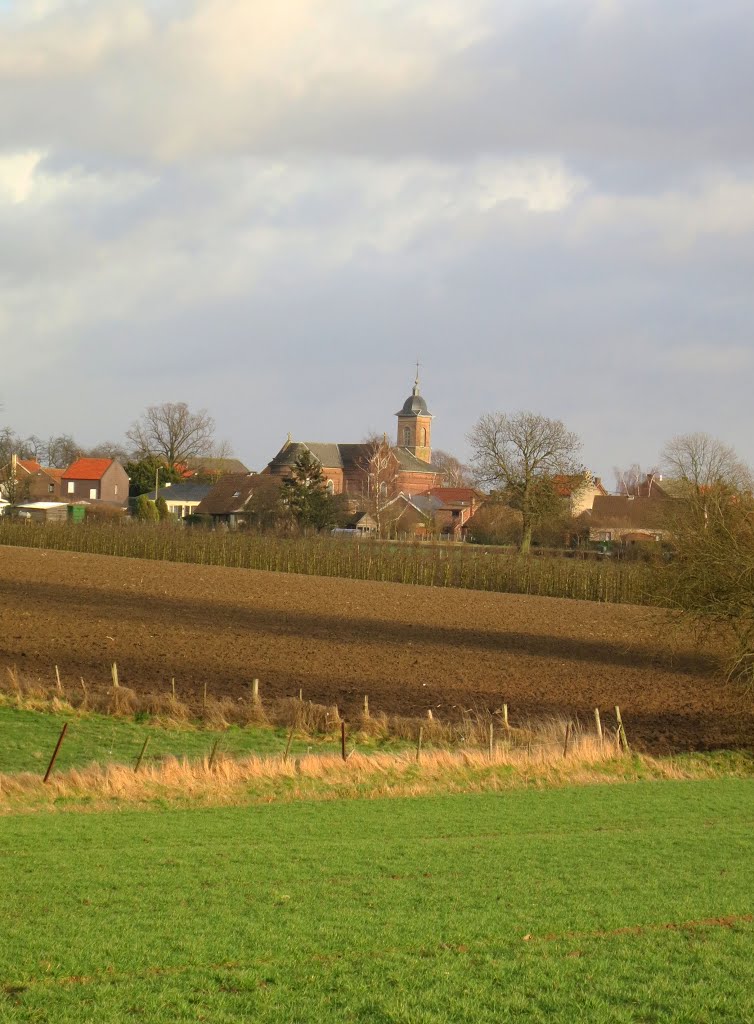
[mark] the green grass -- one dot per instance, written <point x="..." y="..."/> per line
<point x="401" y="911"/>
<point x="28" y="738"/>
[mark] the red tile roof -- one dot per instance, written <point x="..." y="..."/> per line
<point x="51" y="471"/>
<point x="87" y="469"/>
<point x="30" y="465"/>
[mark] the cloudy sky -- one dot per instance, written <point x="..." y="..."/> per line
<point x="271" y="209"/>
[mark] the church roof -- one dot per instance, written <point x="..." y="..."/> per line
<point x="414" y="404"/>
<point x="341" y="456"/>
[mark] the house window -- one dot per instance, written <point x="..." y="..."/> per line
<point x="92" y="493"/>
<point x="71" y="486"/>
<point x="115" y="491"/>
<point x="406" y="436"/>
<point x="424" y="436"/>
<point x="330" y="487"/>
<point x="51" y="488"/>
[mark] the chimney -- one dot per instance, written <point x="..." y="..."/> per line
<point x="13" y="465"/>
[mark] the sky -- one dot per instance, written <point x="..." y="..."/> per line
<point x="271" y="210"/>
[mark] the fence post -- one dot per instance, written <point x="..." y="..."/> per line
<point x="492" y="740"/>
<point x="567" y="737"/>
<point x="343" y="739"/>
<point x="505" y="716"/>
<point x="58" y="683"/>
<point x="288" y="744"/>
<point x="419" y="744"/>
<point x="598" y="723"/>
<point x="366" y="706"/>
<point x="141" y="755"/>
<point x="114" y="673"/>
<point x="255" y="690"/>
<point x="621" y="730"/>
<point x="212" y="754"/>
<point x="55" y="752"/>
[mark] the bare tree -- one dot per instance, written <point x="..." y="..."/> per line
<point x="635" y="481"/>
<point x="454" y="472"/>
<point x="701" y="463"/>
<point x="61" y="451"/>
<point x="109" y="450"/>
<point x="14" y="484"/>
<point x="519" y="454"/>
<point x="380" y="480"/>
<point x="172" y="432"/>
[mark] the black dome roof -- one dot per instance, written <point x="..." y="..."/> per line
<point x="414" y="404"/>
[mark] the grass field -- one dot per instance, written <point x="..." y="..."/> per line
<point x="27" y="740"/>
<point x="607" y="903"/>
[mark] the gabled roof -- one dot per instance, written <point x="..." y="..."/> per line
<point x="56" y="474"/>
<point x="341" y="456"/>
<point x="30" y="465"/>
<point x="568" y="483"/>
<point x="624" y="510"/>
<point x="412" y="464"/>
<point x="230" y="495"/>
<point x="87" y="469"/>
<point x="453" y="495"/>
<point x="182" y="492"/>
<point x="207" y="465"/>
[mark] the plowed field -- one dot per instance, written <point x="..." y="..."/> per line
<point x="408" y="648"/>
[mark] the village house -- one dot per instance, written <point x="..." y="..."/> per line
<point x="227" y="502"/>
<point x="182" y="500"/>
<point x="627" y="519"/>
<point x="95" y="480"/>
<point x="578" y="491"/>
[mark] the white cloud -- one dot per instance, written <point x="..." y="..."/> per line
<point x="17" y="176"/>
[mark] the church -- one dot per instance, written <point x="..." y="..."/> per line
<point x="350" y="468"/>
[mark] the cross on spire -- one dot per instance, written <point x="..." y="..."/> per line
<point x="416" y="382"/>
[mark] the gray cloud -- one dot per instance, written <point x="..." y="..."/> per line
<point x="269" y="210"/>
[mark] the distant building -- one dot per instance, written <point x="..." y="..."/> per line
<point x="627" y="519"/>
<point x="182" y="499"/>
<point x="346" y="467"/>
<point x="95" y="480"/>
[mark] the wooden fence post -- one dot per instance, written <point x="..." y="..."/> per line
<point x="598" y="723"/>
<point x="204" y="696"/>
<point x="505" y="716"/>
<point x="567" y="737"/>
<point x="172" y="685"/>
<point x="55" y="752"/>
<point x="621" y="730"/>
<point x="212" y="754"/>
<point x="492" y="740"/>
<point x="366" y="706"/>
<point x="288" y="744"/>
<point x="114" y="673"/>
<point x="141" y="755"/>
<point x="255" y="690"/>
<point x="343" y="739"/>
<point x="58" y="683"/>
<point x="419" y="744"/>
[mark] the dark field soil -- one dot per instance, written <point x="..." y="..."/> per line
<point x="408" y="648"/>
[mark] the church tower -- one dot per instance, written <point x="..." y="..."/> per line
<point x="415" y="424"/>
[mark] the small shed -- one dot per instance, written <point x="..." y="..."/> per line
<point x="43" y="511"/>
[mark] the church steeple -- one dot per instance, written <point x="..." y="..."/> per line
<point x="415" y="424"/>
